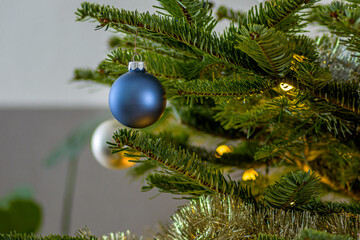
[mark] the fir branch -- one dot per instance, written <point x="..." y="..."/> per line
<point x="199" y="116"/>
<point x="327" y="207"/>
<point x="224" y="87"/>
<point x="345" y="95"/>
<point x="260" y="114"/>
<point x="318" y="235"/>
<point x="304" y="46"/>
<point x="279" y="14"/>
<point x="279" y="149"/>
<point x="181" y="163"/>
<point x="31" y="236"/>
<point x="196" y="13"/>
<point x="174" y="185"/>
<point x="268" y="47"/>
<point x="312" y="76"/>
<point x="354" y="1"/>
<point x="230" y="14"/>
<point x="341" y="19"/>
<point x="162" y="48"/>
<point x="141" y="169"/>
<point x="335" y="186"/>
<point x="201" y="41"/>
<point x="157" y="64"/>
<point x="94" y="76"/>
<point x="165" y="68"/>
<point x="292" y="190"/>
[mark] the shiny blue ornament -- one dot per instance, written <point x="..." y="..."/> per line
<point x="137" y="99"/>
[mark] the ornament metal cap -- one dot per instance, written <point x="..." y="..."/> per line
<point x="136" y="66"/>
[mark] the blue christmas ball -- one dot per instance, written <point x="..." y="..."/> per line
<point x="137" y="99"/>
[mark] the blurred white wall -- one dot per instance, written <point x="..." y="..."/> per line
<point x="41" y="45"/>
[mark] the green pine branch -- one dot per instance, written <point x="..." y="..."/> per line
<point x="196" y="13"/>
<point x="268" y="47"/>
<point x="178" y="31"/>
<point x="228" y="13"/>
<point x="312" y="76"/>
<point x="200" y="116"/>
<point x="94" y="76"/>
<point x="174" y="185"/>
<point x="263" y="113"/>
<point x="163" y="67"/>
<point x="224" y="87"/>
<point x="342" y="19"/>
<point x="292" y="190"/>
<point x="140" y="170"/>
<point x="23" y="236"/>
<point x="185" y="166"/>
<point x="304" y="46"/>
<point x="345" y="95"/>
<point x="318" y="235"/>
<point x="156" y="64"/>
<point x="355" y="2"/>
<point x="159" y="47"/>
<point x="219" y="49"/>
<point x="326" y="207"/>
<point x="279" y="149"/>
<point x="283" y="15"/>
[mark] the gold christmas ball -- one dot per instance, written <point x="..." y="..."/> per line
<point x="101" y="151"/>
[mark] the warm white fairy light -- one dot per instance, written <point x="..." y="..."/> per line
<point x="250" y="174"/>
<point x="286" y="87"/>
<point x="220" y="150"/>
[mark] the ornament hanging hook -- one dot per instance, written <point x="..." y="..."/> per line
<point x="135" y="51"/>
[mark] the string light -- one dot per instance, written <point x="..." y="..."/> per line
<point x="220" y="150"/>
<point x="250" y="174"/>
<point x="286" y="87"/>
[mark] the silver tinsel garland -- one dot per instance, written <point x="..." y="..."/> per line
<point x="218" y="217"/>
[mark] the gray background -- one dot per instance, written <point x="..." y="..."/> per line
<point x="105" y="200"/>
<point x="40" y="45"/>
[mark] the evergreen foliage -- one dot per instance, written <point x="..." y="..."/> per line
<point x="189" y="171"/>
<point x="282" y="15"/>
<point x="294" y="189"/>
<point x="22" y="236"/>
<point x="195" y="13"/>
<point x="225" y="13"/>
<point x="267" y="47"/>
<point x="342" y="19"/>
<point x="229" y="85"/>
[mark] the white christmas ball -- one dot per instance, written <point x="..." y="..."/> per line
<point x="100" y="149"/>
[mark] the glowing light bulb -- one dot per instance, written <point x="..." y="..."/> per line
<point x="286" y="87"/>
<point x="220" y="150"/>
<point x="250" y="174"/>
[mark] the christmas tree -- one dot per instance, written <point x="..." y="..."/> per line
<point x="288" y="104"/>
